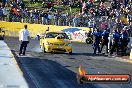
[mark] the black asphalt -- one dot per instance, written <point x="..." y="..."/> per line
<point x="59" y="70"/>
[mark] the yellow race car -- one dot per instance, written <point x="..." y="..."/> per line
<point x="55" y="42"/>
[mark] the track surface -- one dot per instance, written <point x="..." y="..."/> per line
<point x="59" y="70"/>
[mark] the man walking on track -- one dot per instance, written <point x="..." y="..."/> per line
<point x="24" y="39"/>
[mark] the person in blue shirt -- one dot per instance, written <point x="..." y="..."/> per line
<point x="125" y="41"/>
<point x="115" y="41"/>
<point x="96" y="39"/>
<point x="105" y="40"/>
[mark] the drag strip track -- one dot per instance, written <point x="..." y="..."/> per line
<point x="26" y="75"/>
<point x="48" y="70"/>
<point x="43" y="73"/>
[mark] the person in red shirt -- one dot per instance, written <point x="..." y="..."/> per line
<point x="91" y="1"/>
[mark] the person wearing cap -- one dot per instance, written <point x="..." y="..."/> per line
<point x="24" y="39"/>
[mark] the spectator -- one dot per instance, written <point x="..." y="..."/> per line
<point x="49" y="5"/>
<point x="63" y="16"/>
<point x="68" y="19"/>
<point x="42" y="17"/>
<point x="1" y="12"/>
<point x="5" y="14"/>
<point x="50" y="17"/>
<point x="22" y="15"/>
<point x="126" y="2"/>
<point x="75" y="21"/>
<point x="103" y="25"/>
<point x="14" y="4"/>
<point x="35" y="16"/>
<point x="91" y="23"/>
<point x="84" y="7"/>
<point x="3" y="3"/>
<point x="45" y="18"/>
<point x="125" y="41"/>
<point x="120" y="24"/>
<point x="130" y="31"/>
<point x="22" y="5"/>
<point x="105" y="40"/>
<point x="115" y="40"/>
<point x="97" y="38"/>
<point x="29" y="15"/>
<point x="8" y="2"/>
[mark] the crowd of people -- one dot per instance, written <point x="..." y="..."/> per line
<point x="90" y="15"/>
<point x="116" y="42"/>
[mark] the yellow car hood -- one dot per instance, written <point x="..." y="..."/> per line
<point x="58" y="41"/>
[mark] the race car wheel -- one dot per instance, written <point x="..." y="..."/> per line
<point x="89" y="40"/>
<point x="70" y="52"/>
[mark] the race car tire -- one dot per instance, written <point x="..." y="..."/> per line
<point x="89" y="41"/>
<point x="70" y="52"/>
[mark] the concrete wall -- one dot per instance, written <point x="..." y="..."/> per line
<point x="13" y="28"/>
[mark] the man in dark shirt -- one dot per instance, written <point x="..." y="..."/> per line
<point x="115" y="41"/>
<point x="96" y="38"/>
<point x="125" y="41"/>
<point x="105" y="40"/>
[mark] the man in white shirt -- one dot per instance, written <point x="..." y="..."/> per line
<point x="24" y="39"/>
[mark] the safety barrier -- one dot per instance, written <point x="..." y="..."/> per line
<point x="13" y="28"/>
